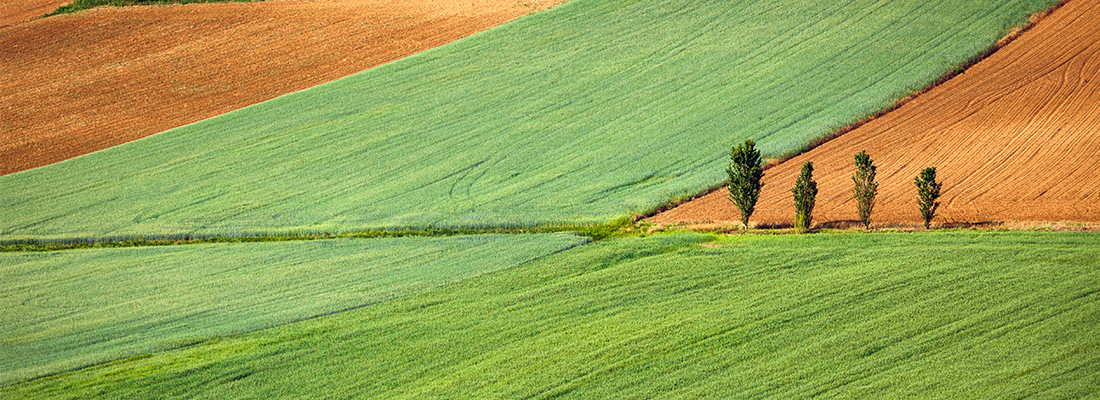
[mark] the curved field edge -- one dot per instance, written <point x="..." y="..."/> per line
<point x="187" y="63"/>
<point x="72" y="309"/>
<point x="1014" y="138"/>
<point x="948" y="314"/>
<point x="578" y="115"/>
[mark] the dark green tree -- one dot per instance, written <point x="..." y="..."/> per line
<point x="928" y="190"/>
<point x="745" y="172"/>
<point x="805" y="190"/>
<point x="865" y="187"/>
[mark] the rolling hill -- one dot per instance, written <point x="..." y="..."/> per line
<point x="75" y="84"/>
<point x="587" y="112"/>
<point x="1014" y="138"/>
<point x="941" y="314"/>
<point x="71" y="309"/>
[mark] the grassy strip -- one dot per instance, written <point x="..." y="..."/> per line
<point x="942" y="315"/>
<point x="619" y="227"/>
<point x="67" y="310"/>
<point x="585" y="113"/>
<point x="80" y="5"/>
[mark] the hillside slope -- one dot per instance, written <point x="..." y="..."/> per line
<point x="1014" y="138"/>
<point x="71" y="309"/>
<point x="587" y="112"/>
<point x="933" y="315"/>
<point x="75" y="84"/>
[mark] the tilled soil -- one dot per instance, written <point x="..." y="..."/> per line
<point x="75" y="84"/>
<point x="1014" y="138"/>
<point x="15" y="11"/>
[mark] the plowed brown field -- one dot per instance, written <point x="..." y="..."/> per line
<point x="1014" y="138"/>
<point x="74" y="84"/>
<point x="15" y="11"/>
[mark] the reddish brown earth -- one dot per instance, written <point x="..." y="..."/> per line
<point x="1014" y="138"/>
<point x="74" y="84"/>
<point x="15" y="11"/>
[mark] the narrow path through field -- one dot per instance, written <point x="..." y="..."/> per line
<point x="1014" y="138"/>
<point x="74" y="84"/>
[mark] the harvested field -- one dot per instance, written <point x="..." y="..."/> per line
<point x="16" y="11"/>
<point x="74" y="84"/>
<point x="1014" y="138"/>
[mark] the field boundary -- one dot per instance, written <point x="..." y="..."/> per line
<point x="959" y="70"/>
<point x="619" y="227"/>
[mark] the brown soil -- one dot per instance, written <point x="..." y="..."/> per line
<point x="1014" y="138"/>
<point x="15" y="11"/>
<point x="74" y="84"/>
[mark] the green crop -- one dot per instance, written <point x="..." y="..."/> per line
<point x="70" y="309"/>
<point x="585" y="113"/>
<point x="890" y="315"/>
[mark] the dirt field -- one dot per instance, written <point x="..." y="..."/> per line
<point x="74" y="84"/>
<point x="1014" y="138"/>
<point x="15" y="11"/>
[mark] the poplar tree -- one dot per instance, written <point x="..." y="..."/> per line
<point x="865" y="187"/>
<point x="804" y="191"/>
<point x="745" y="172"/>
<point x="928" y="190"/>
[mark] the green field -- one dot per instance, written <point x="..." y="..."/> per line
<point x="933" y="315"/>
<point x="70" y="309"/>
<point x="580" y="115"/>
<point x="587" y="112"/>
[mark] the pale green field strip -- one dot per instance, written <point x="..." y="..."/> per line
<point x="933" y="315"/>
<point x="587" y="112"/>
<point x="71" y="309"/>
